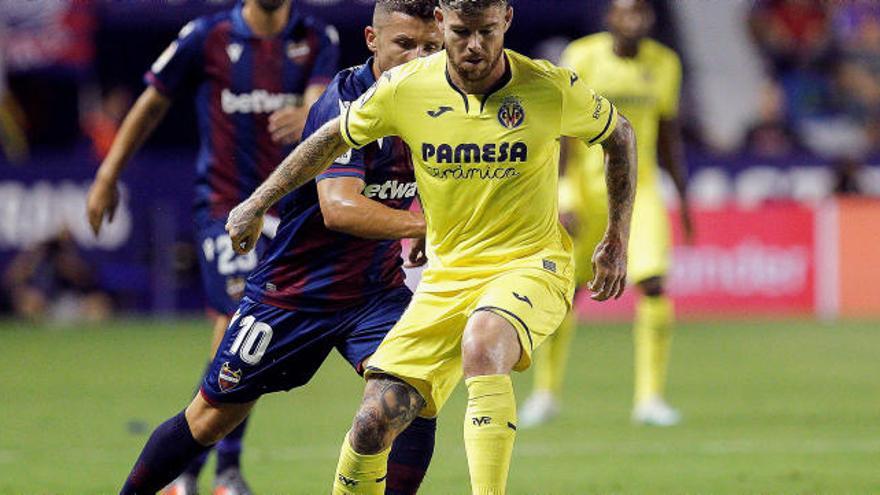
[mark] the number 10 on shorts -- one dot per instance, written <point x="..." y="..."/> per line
<point x="251" y="341"/>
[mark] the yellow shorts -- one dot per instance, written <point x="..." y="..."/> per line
<point x="649" y="238"/>
<point x="424" y="348"/>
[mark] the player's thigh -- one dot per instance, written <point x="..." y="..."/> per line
<point x="224" y="272"/>
<point x="424" y="347"/>
<point x="533" y="301"/>
<point x="370" y="323"/>
<point x="268" y="349"/>
<point x="650" y="240"/>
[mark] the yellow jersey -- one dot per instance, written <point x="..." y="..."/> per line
<point x="486" y="165"/>
<point x="644" y="88"/>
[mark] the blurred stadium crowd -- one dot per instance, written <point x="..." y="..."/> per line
<point x="781" y="103"/>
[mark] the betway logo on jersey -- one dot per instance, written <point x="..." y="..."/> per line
<point x="475" y="153"/>
<point x="391" y="189"/>
<point x="257" y="101"/>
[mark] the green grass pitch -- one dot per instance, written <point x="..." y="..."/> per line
<point x="774" y="407"/>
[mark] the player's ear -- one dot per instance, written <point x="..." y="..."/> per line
<point x="508" y="18"/>
<point x="438" y="16"/>
<point x="370" y="37"/>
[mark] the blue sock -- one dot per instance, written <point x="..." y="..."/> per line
<point x="195" y="467"/>
<point x="170" y="448"/>
<point x="229" y="449"/>
<point x="410" y="456"/>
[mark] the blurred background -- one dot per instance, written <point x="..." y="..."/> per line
<point x="781" y="115"/>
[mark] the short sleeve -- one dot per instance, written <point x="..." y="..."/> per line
<point x="372" y="115"/>
<point x="180" y="66"/>
<point x="586" y="115"/>
<point x="327" y="60"/>
<point x="670" y="91"/>
<point x="327" y="108"/>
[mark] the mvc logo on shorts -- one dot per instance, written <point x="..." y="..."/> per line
<point x="228" y="379"/>
<point x="511" y="114"/>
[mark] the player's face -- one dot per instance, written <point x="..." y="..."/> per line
<point x="398" y="38"/>
<point x="630" y="20"/>
<point x="475" y="43"/>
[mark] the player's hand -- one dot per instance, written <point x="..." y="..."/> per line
<point x="102" y="200"/>
<point x="244" y="225"/>
<point x="286" y="124"/>
<point x="416" y="256"/>
<point x="609" y="268"/>
<point x="687" y="223"/>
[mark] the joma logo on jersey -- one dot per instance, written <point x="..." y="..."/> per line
<point x="474" y="153"/>
<point x="391" y="189"/>
<point x="257" y="101"/>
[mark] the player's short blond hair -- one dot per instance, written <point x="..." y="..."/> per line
<point x="422" y="9"/>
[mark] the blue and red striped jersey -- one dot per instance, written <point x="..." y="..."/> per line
<point x="307" y="266"/>
<point x="239" y="79"/>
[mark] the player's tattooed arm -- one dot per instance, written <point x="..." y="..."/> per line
<point x="389" y="406"/>
<point x="308" y="160"/>
<point x="609" y="259"/>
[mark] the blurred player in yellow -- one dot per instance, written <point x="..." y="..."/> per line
<point x="483" y="124"/>
<point x="642" y="78"/>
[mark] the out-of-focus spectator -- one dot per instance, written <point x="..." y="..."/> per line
<point x="101" y="122"/>
<point x="12" y="138"/>
<point x="792" y="34"/>
<point x="772" y="135"/>
<point x="847" y="177"/>
<point x="53" y="281"/>
<point x="857" y="30"/>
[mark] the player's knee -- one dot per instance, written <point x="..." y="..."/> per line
<point x="652" y="287"/>
<point x="489" y="346"/>
<point x="388" y="407"/>
<point x="209" y="424"/>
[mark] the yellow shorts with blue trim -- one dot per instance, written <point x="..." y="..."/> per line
<point x="424" y="348"/>
<point x="649" y="239"/>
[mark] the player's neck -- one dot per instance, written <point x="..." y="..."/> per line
<point x="265" y="24"/>
<point x="482" y="86"/>
<point x="625" y="48"/>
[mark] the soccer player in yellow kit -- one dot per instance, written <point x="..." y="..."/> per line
<point x="483" y="124"/>
<point x="642" y="78"/>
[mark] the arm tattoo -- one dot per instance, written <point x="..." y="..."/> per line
<point x="620" y="175"/>
<point x="309" y="159"/>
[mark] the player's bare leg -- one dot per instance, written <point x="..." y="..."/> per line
<point x="176" y="442"/>
<point x="490" y="349"/>
<point x="652" y="340"/>
<point x="388" y="407"/>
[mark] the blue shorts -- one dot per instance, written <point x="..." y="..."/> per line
<point x="267" y="349"/>
<point x="224" y="273"/>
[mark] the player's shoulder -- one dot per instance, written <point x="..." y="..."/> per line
<point x="588" y="45"/>
<point x="415" y="73"/>
<point x="307" y="24"/>
<point x="201" y="26"/>
<point x="659" y="53"/>
<point x="540" y="73"/>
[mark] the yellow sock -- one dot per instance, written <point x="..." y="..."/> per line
<point x="489" y="432"/>
<point x="552" y="358"/>
<point x="360" y="474"/>
<point x="652" y="339"/>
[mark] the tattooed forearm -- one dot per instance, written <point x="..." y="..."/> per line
<point x="620" y="175"/>
<point x="308" y="160"/>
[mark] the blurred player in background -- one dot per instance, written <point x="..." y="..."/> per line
<point x="255" y="70"/>
<point x="331" y="278"/>
<point x="642" y="78"/>
<point x="484" y="126"/>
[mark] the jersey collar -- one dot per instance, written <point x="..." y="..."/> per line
<point x="500" y="83"/>
<point x="364" y="74"/>
<point x="240" y="26"/>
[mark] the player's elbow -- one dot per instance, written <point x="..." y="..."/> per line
<point x="624" y="132"/>
<point x="336" y="215"/>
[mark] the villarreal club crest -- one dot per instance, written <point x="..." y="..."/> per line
<point x="511" y="114"/>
